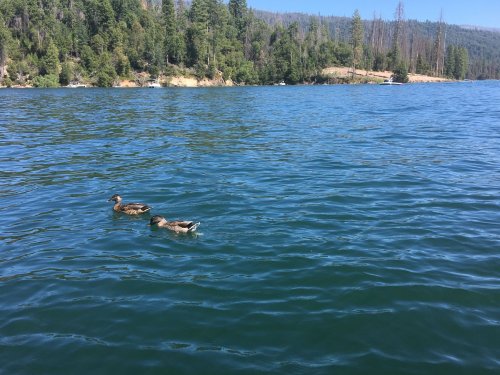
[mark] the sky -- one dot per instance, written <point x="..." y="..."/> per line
<point x="460" y="12"/>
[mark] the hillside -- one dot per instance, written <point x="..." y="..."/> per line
<point x="102" y="42"/>
<point x="482" y="44"/>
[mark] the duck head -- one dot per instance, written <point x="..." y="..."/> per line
<point x="155" y="220"/>
<point x="115" y="198"/>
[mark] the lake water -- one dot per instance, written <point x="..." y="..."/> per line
<point x="345" y="230"/>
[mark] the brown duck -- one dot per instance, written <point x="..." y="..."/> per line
<point x="128" y="208"/>
<point x="176" y="226"/>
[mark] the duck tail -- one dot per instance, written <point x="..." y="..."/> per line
<point x="193" y="227"/>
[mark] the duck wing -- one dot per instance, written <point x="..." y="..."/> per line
<point x="190" y="226"/>
<point x="182" y="224"/>
<point x="139" y="207"/>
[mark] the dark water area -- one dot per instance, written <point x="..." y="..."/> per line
<point x="345" y="230"/>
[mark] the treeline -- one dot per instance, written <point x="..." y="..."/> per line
<point x="54" y="42"/>
<point x="417" y="42"/>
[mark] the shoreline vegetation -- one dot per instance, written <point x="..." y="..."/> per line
<point x="329" y="76"/>
<point x="204" y="43"/>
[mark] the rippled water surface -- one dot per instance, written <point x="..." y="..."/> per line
<point x="345" y="230"/>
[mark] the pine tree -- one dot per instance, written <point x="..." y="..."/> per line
<point x="50" y="62"/>
<point x="4" y="49"/>
<point x="395" y="53"/>
<point x="168" y="11"/>
<point x="197" y="33"/>
<point x="66" y="74"/>
<point x="461" y="63"/>
<point x="357" y="35"/>
<point x="450" y="61"/>
<point x="179" y="53"/>
<point x="238" y="10"/>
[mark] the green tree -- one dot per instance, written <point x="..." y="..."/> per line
<point x="422" y="66"/>
<point x="400" y="74"/>
<point x="379" y="62"/>
<point x="180" y="41"/>
<point x="49" y="80"/>
<point x="107" y="74"/>
<point x="197" y="33"/>
<point x="89" y="59"/>
<point x="456" y="62"/>
<point x="461" y="63"/>
<point x="450" y="61"/>
<point x="50" y="62"/>
<point x="134" y="49"/>
<point x="286" y="55"/>
<point x="100" y="15"/>
<point x="5" y="38"/>
<point x="357" y="36"/>
<point x="154" y="52"/>
<point x="121" y="62"/>
<point x="66" y="75"/>
<point x="394" y="56"/>
<point x="238" y="10"/>
<point x="126" y="10"/>
<point x="169" y="19"/>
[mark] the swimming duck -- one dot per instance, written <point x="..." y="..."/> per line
<point x="176" y="226"/>
<point x="128" y="208"/>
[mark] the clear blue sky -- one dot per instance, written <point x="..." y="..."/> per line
<point x="460" y="12"/>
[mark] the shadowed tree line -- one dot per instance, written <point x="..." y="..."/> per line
<point x="54" y="42"/>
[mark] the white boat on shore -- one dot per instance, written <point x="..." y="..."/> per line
<point x="390" y="82"/>
<point x="153" y="84"/>
<point x="76" y="85"/>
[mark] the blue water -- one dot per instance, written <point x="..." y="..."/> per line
<point x="345" y="230"/>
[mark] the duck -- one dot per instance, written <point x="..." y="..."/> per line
<point x="128" y="208"/>
<point x="176" y="226"/>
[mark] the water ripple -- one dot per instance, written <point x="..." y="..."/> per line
<point x="344" y="229"/>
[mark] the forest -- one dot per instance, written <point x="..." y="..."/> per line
<point x="48" y="43"/>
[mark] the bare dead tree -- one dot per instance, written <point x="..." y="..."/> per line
<point x="439" y="47"/>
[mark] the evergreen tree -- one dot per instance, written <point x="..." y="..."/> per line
<point x="4" y="46"/>
<point x="121" y="62"/>
<point x="169" y="19"/>
<point x="450" y="61"/>
<point x="100" y="14"/>
<point x="422" y="66"/>
<point x="400" y="74"/>
<point x="238" y="10"/>
<point x="461" y="63"/>
<point x="107" y="74"/>
<point x="394" y="56"/>
<point x="66" y="75"/>
<point x="136" y="45"/>
<point x="179" y="54"/>
<point x="50" y="62"/>
<point x="357" y="36"/>
<point x="197" y="33"/>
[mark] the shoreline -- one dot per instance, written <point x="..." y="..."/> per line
<point x="331" y="75"/>
<point x="376" y="77"/>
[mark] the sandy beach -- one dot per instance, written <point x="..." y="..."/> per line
<point x="346" y="72"/>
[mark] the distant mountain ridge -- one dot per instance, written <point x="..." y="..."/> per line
<point x="481" y="28"/>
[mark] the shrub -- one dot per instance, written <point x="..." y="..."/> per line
<point x="400" y="74"/>
<point x="49" y="80"/>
